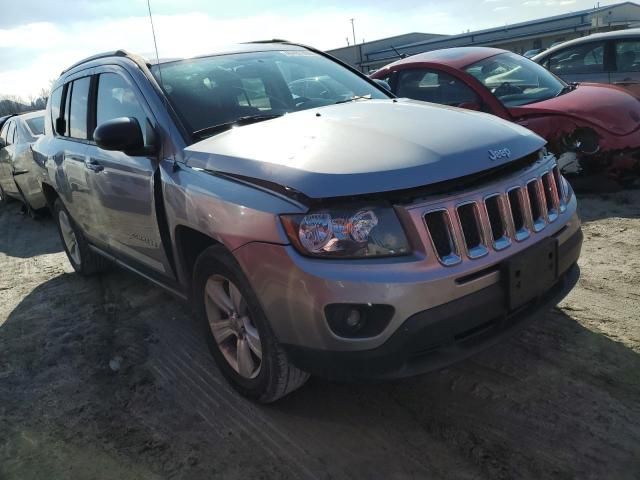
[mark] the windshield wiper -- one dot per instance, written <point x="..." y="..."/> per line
<point x="355" y="97"/>
<point x="567" y="88"/>
<point x="238" y="122"/>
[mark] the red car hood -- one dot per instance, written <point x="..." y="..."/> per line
<point x="605" y="106"/>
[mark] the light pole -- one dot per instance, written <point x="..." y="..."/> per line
<point x="353" y="30"/>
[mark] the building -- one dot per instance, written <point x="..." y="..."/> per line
<point x="518" y="37"/>
<point x="357" y="55"/>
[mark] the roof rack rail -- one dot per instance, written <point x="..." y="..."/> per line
<point x="273" y="40"/>
<point x="116" y="53"/>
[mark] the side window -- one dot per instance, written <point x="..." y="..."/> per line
<point x="586" y="58"/>
<point x="628" y="56"/>
<point x="4" y="131"/>
<point x="434" y="86"/>
<point x="55" y="99"/>
<point x="11" y="132"/>
<point x="116" y="99"/>
<point x="78" y="108"/>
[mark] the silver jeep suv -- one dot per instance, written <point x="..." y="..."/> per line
<point x="353" y="235"/>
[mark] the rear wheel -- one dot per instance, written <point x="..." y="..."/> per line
<point x="238" y="333"/>
<point x="83" y="260"/>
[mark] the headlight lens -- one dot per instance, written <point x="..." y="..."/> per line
<point x="347" y="233"/>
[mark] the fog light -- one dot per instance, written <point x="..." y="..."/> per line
<point x="353" y="319"/>
<point x="358" y="320"/>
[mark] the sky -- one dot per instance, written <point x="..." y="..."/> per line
<point x="39" y="38"/>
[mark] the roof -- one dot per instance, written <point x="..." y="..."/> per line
<point x="456" y="57"/>
<point x="29" y="115"/>
<point x="629" y="33"/>
<point x="257" y="46"/>
<point x="506" y="32"/>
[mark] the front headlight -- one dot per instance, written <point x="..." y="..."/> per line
<point x="347" y="233"/>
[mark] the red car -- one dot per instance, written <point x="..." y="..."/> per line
<point x="592" y="128"/>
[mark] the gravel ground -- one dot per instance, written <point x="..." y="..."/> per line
<point x="106" y="378"/>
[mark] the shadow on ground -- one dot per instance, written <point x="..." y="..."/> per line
<point x="108" y="378"/>
<point x="23" y="237"/>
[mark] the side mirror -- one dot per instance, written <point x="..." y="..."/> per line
<point x="120" y="134"/>
<point x="383" y="84"/>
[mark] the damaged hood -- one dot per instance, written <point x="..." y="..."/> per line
<point x="365" y="146"/>
<point x="608" y="107"/>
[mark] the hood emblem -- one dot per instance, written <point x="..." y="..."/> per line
<point x="499" y="154"/>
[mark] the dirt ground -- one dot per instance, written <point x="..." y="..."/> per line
<point x="560" y="401"/>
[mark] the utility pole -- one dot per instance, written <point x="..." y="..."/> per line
<point x="353" y="30"/>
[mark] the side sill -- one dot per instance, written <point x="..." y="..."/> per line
<point x="122" y="264"/>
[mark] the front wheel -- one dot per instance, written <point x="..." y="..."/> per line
<point x="237" y="331"/>
<point x="83" y="260"/>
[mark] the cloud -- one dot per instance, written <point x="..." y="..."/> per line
<point x="48" y="48"/>
<point x="498" y="9"/>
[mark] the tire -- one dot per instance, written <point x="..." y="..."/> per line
<point x="270" y="375"/>
<point x="83" y="260"/>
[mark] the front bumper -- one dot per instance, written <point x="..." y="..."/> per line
<point x="435" y="338"/>
<point x="424" y="340"/>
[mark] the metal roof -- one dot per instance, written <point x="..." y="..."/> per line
<point x="506" y="32"/>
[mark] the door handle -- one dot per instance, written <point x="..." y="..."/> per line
<point x="93" y="165"/>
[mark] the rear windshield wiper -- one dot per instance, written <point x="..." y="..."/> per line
<point x="238" y="122"/>
<point x="355" y="97"/>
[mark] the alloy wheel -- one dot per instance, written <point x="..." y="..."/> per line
<point x="235" y="333"/>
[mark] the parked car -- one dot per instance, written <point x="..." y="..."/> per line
<point x="592" y="128"/>
<point x="317" y="236"/>
<point x="4" y="119"/>
<point x="19" y="175"/>
<point x="533" y="52"/>
<point x="612" y="57"/>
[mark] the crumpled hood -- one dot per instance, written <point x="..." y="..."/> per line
<point x="365" y="146"/>
<point x="606" y="106"/>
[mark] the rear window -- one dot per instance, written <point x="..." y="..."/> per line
<point x="78" y="108"/>
<point x="56" y="99"/>
<point x="36" y="125"/>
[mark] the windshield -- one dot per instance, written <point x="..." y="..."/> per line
<point x="36" y="125"/>
<point x="218" y="90"/>
<point x="516" y="80"/>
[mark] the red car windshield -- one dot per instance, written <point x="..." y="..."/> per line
<point x="516" y="80"/>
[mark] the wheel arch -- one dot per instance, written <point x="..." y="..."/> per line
<point x="189" y="244"/>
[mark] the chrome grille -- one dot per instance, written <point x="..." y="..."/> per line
<point x="493" y="220"/>
<point x="439" y="223"/>
<point x="471" y="227"/>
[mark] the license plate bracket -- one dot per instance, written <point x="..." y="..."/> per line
<point x="531" y="272"/>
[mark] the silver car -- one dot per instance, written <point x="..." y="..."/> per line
<point x="18" y="172"/>
<point x="612" y="57"/>
<point x="367" y="237"/>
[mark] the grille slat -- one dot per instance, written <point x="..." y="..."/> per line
<point x="519" y="214"/>
<point x="474" y="227"/>
<point x="469" y="218"/>
<point x="551" y="195"/>
<point x="536" y="203"/>
<point x="442" y="238"/>
<point x="497" y="222"/>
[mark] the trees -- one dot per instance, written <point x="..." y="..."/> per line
<point x="15" y="104"/>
